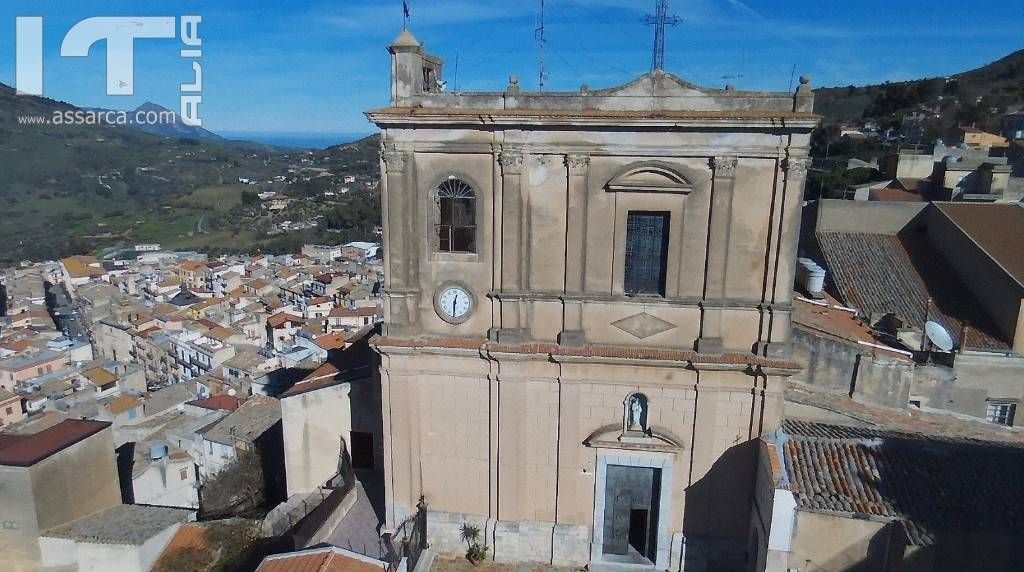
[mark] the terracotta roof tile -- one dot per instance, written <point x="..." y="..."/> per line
<point x="122" y="403"/>
<point x="99" y="376"/>
<point x="929" y="483"/>
<point x="319" y="560"/>
<point x="189" y="537"/>
<point x="218" y="402"/>
<point x="83" y="266"/>
<point x="278" y="320"/>
<point x="357" y="312"/>
<point x="881" y="274"/>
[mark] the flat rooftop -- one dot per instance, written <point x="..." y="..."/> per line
<point x="27" y="450"/>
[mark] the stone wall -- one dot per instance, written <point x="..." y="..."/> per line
<point x="844" y="368"/>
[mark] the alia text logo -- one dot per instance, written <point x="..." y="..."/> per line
<point x="120" y="34"/>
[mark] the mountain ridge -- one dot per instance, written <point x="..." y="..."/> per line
<point x="977" y="96"/>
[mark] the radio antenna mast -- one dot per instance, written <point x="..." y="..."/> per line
<point x="659" y="20"/>
<point x="541" y="44"/>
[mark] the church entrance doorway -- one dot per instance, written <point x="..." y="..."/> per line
<point x="631" y="503"/>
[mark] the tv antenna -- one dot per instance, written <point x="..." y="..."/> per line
<point x="659" y="20"/>
<point x="743" y="69"/>
<point x="541" y="44"/>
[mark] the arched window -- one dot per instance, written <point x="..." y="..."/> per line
<point x="456" y="225"/>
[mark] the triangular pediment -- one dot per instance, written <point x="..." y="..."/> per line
<point x="650" y="177"/>
<point x="656" y="84"/>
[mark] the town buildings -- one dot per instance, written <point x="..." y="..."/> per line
<point x="894" y="267"/>
<point x="587" y="311"/>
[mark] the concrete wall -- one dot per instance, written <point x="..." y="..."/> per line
<point x="19" y="526"/>
<point x="906" y="166"/>
<point x="62" y="553"/>
<point x="828" y="542"/>
<point x="314" y="424"/>
<point x="161" y="484"/>
<point x="967" y="388"/>
<point x="844" y="368"/>
<point x="112" y="342"/>
<point x="76" y="482"/>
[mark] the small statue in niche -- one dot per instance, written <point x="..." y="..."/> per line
<point x="636" y="413"/>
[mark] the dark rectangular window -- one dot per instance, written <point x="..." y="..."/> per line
<point x="362" y="450"/>
<point x="646" y="253"/>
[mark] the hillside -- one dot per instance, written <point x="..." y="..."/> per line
<point x="977" y="97"/>
<point x="79" y="188"/>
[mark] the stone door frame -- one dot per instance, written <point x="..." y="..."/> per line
<point x="623" y="458"/>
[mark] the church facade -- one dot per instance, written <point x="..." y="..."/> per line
<point x="587" y="308"/>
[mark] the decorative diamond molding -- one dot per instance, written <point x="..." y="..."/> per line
<point x="644" y="325"/>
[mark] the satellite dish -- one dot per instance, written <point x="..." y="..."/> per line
<point x="938" y="336"/>
<point x="232" y="392"/>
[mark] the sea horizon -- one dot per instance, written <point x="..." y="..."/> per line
<point x="297" y="140"/>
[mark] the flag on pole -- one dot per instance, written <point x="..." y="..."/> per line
<point x="405" y="10"/>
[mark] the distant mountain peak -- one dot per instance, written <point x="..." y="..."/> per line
<point x="150" y="106"/>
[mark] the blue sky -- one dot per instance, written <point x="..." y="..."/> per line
<point x="315" y="65"/>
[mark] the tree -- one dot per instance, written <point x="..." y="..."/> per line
<point x="236" y="489"/>
<point x="250" y="198"/>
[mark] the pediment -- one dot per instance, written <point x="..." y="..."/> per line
<point x="650" y="177"/>
<point x="656" y="84"/>
<point x="614" y="437"/>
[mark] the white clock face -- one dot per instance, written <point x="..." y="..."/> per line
<point x="454" y="303"/>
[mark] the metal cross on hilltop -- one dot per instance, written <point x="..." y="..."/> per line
<point x="659" y="20"/>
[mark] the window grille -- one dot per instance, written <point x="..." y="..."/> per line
<point x="456" y="205"/>
<point x="646" y="253"/>
<point x="1001" y="413"/>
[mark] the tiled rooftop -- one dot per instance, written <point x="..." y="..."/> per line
<point x="929" y="483"/>
<point x="121" y="524"/>
<point x="258" y="414"/>
<point x="329" y="559"/>
<point x="887" y="273"/>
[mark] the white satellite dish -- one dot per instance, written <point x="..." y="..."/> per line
<point x="232" y="392"/>
<point x="938" y="336"/>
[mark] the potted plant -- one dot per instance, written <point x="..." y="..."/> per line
<point x="475" y="551"/>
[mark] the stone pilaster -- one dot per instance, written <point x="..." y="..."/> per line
<point x="578" y="167"/>
<point x="514" y="225"/>
<point x="777" y="342"/>
<point x="723" y="183"/>
<point x="396" y="213"/>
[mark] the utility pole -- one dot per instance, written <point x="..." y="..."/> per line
<point x="541" y="44"/>
<point x="659" y="20"/>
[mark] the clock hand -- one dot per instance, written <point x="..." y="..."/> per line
<point x="455" y="300"/>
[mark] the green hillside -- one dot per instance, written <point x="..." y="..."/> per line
<point x="70" y="189"/>
<point x="978" y="97"/>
